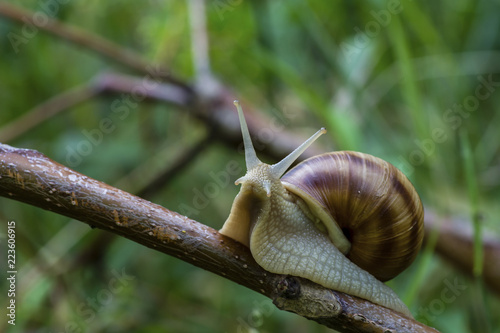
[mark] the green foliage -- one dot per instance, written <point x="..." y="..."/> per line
<point x="384" y="77"/>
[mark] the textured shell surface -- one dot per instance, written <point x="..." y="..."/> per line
<point x="373" y="203"/>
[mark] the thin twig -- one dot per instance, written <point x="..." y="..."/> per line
<point x="143" y="88"/>
<point x="29" y="176"/>
<point x="90" y="41"/>
<point x="45" y="111"/>
<point x="175" y="168"/>
<point x="138" y="89"/>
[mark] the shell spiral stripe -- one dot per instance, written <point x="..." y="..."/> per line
<point x="374" y="204"/>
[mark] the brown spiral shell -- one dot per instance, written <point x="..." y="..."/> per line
<point x="375" y="205"/>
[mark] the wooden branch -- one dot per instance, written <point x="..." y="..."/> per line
<point x="29" y="176"/>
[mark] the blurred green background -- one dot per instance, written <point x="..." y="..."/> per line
<point x="401" y="80"/>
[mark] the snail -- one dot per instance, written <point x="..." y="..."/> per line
<point x="345" y="220"/>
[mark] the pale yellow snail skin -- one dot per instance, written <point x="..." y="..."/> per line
<point x="290" y="232"/>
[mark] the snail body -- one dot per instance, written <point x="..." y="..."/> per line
<point x="345" y="220"/>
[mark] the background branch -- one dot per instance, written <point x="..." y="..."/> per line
<point x="29" y="176"/>
<point x="217" y="113"/>
<point x="455" y="243"/>
<point x="161" y="179"/>
<point x="89" y="41"/>
<point x="46" y="110"/>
